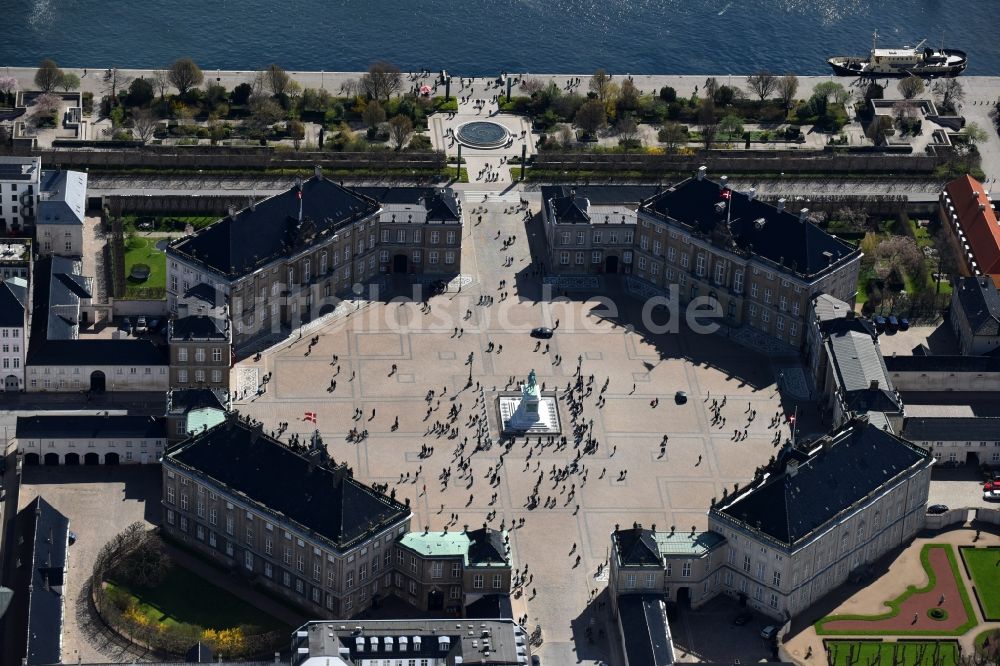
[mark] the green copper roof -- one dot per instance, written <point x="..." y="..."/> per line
<point x="688" y="543"/>
<point x="204" y="418"/>
<point x="438" y="544"/>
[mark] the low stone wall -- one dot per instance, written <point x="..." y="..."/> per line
<point x="122" y="307"/>
<point x="939" y="521"/>
<point x="991" y="516"/>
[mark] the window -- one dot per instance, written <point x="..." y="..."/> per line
<point x="630" y="581"/>
<point x="642" y="263"/>
<point x="432" y="257"/>
<point x="249" y="535"/>
<point x="776" y="579"/>
<point x="760" y="570"/>
<point x="435" y="237"/>
<point x="213" y="516"/>
<point x="300" y="563"/>
<point x="700" y="265"/>
<point x="349" y="579"/>
<point x="597" y="236"/>
<point x="248" y="560"/>
<point x="746" y="563"/>
<point x="229" y="524"/>
<point x="579" y="238"/>
<point x="767" y="296"/>
<point x="317" y="571"/>
<point x="564" y="258"/>
<point x="686" y="570"/>
<point x="672" y="255"/>
<point x="477" y="581"/>
<point x="765" y="316"/>
<point x="684" y="261"/>
<point x="456" y="569"/>
<point x="649" y="581"/>
<point x="728" y="579"/>
<point x="657" y="248"/>
<point x="182" y="376"/>
<point x="170" y="495"/>
<point x="211" y="539"/>
<point x="184" y="501"/>
<point x="497" y="581"/>
<point x="579" y="258"/>
<point x="229" y="548"/>
<point x="595" y="257"/>
<point x="437" y="569"/>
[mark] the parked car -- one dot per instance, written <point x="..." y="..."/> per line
<point x="126" y="326"/>
<point x="991" y="496"/>
<point x="991" y="485"/>
<point x="543" y="332"/>
<point x="742" y="618"/>
<point x="680" y="397"/>
<point x="879" y="322"/>
<point x="140" y="325"/>
<point x="891" y="324"/>
<point x="769" y="632"/>
<point x="937" y="508"/>
<point x="904" y="323"/>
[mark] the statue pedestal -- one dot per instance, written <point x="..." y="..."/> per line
<point x="529" y="413"/>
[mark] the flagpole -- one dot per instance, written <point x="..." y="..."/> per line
<point x="795" y="423"/>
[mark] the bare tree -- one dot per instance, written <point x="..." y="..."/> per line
<point x="350" y="88"/>
<point x="591" y="117"/>
<point x="69" y="81"/>
<point x="628" y="131"/>
<point x="143" y="124"/>
<point x="161" y="82"/>
<point x="184" y="75"/>
<point x="708" y="122"/>
<point x="8" y="84"/>
<point x="48" y="75"/>
<point x="950" y="92"/>
<point x="382" y="80"/>
<point x="374" y="114"/>
<point x="763" y="83"/>
<point x="910" y="87"/>
<point x="400" y="130"/>
<point x="115" y="80"/>
<point x="44" y="107"/>
<point x="264" y="112"/>
<point x="672" y="135"/>
<point x="788" y="85"/>
<point x="532" y="85"/>
<point x="277" y="79"/>
<point x="599" y="84"/>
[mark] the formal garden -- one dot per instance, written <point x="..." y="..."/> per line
<point x="983" y="567"/>
<point x="141" y="593"/>
<point x="902" y="653"/>
<point x="145" y="268"/>
<point x="940" y="608"/>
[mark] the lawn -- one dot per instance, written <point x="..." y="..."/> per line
<point x="910" y="653"/>
<point x="184" y="597"/>
<point x="983" y="564"/>
<point x="140" y="250"/>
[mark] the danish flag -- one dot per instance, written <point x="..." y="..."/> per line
<point x="727" y="194"/>
<point x="310" y="416"/>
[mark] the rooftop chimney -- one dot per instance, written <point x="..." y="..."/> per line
<point x="724" y="182"/>
<point x="752" y="194"/>
<point x="781" y="204"/>
<point x="803" y="214"/>
<point x="702" y="170"/>
<point x="318" y="172"/>
<point x="232" y="212"/>
<point x="874" y="385"/>
<point x="792" y="467"/>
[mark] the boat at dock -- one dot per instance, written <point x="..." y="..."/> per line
<point x="916" y="60"/>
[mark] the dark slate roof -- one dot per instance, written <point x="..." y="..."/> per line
<point x="184" y="400"/>
<point x="645" y="631"/>
<point x="202" y="292"/>
<point x="199" y="327"/>
<point x="951" y="428"/>
<point x="942" y="364"/>
<point x="603" y="195"/>
<point x="90" y="427"/>
<point x="980" y="300"/>
<point x="782" y="238"/>
<point x="841" y="470"/>
<point x="571" y="209"/>
<point x="243" y="459"/>
<point x="440" y="202"/>
<point x="59" y="288"/>
<point x="857" y="362"/>
<point x="637" y="547"/>
<point x="34" y="619"/>
<point x="239" y="244"/>
<point x="13" y="301"/>
<point x="140" y="352"/>
<point x="19" y="168"/>
<point x="486" y="547"/>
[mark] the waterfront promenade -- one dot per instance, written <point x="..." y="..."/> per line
<point x="981" y="92"/>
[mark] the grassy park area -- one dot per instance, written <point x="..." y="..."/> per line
<point x="984" y="567"/>
<point x="143" y="252"/>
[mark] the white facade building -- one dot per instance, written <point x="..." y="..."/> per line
<point x="90" y="439"/>
<point x="13" y="332"/>
<point x="20" y="185"/>
<point x="61" y="209"/>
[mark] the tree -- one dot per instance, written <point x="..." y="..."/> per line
<point x="763" y="83"/>
<point x="628" y="97"/>
<point x="48" y="75"/>
<point x="400" y="130"/>
<point x="974" y="134"/>
<point x="241" y="93"/>
<point x="184" y="75"/>
<point x="950" y="93"/>
<point x="599" y="83"/>
<point x="264" y="112"/>
<point x="277" y="79"/>
<point x="147" y="565"/>
<point x="69" y="81"/>
<point x="708" y="122"/>
<point x="788" y="85"/>
<point x="531" y="86"/>
<point x="910" y="87"/>
<point x="591" y="117"/>
<point x="8" y="84"/>
<point x="628" y="131"/>
<point x="374" y="114"/>
<point x="672" y="135"/>
<point x="711" y="87"/>
<point x="140" y="93"/>
<point x="161" y="81"/>
<point x="731" y="126"/>
<point x="115" y="80"/>
<point x="381" y="80"/>
<point x="668" y="94"/>
<point x="877" y="129"/>
<point x="44" y="109"/>
<point x="297" y="131"/>
<point x="143" y="124"/>
<point x="904" y="110"/>
<point x="828" y="89"/>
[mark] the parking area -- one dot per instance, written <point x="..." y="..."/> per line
<point x="99" y="502"/>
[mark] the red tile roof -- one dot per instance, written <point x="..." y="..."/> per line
<point x="978" y="223"/>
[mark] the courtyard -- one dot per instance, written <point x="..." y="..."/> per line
<point x="625" y="480"/>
